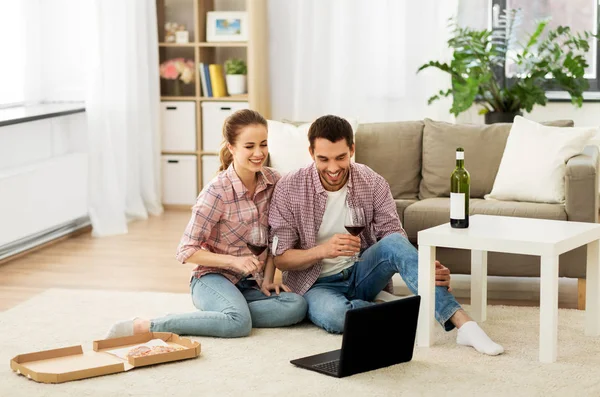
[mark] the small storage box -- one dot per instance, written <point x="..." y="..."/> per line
<point x="210" y="168"/>
<point x="179" y="179"/>
<point x="178" y="126"/>
<point x="213" y="116"/>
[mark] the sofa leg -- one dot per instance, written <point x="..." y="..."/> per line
<point x="581" y="293"/>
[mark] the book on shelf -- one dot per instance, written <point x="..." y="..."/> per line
<point x="217" y="80"/>
<point x="202" y="75"/>
<point x="205" y="80"/>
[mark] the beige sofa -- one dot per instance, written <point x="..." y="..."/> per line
<point x="417" y="158"/>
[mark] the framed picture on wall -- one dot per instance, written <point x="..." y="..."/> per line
<point x="226" y="26"/>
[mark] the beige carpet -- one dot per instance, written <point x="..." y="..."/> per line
<point x="259" y="365"/>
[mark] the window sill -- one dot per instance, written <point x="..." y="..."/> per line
<point x="563" y="96"/>
<point x="23" y="114"/>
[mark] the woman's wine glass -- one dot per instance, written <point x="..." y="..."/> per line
<point x="257" y="242"/>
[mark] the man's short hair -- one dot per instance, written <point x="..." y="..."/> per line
<point x="332" y="128"/>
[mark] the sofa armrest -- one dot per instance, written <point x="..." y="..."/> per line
<point x="581" y="186"/>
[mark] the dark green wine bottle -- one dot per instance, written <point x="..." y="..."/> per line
<point x="460" y="189"/>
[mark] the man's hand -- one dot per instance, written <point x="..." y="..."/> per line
<point x="442" y="276"/>
<point x="340" y="245"/>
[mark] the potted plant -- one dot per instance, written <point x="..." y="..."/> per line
<point x="235" y="76"/>
<point x="550" y="59"/>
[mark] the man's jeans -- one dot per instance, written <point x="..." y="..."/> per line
<point x="230" y="311"/>
<point x="330" y="297"/>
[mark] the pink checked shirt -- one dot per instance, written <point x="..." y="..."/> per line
<point x="297" y="209"/>
<point x="222" y="215"/>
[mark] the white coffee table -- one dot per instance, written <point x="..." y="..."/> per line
<point x="545" y="238"/>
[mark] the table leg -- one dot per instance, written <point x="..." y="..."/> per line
<point x="548" y="308"/>
<point x="479" y="285"/>
<point x="427" y="292"/>
<point x="592" y="290"/>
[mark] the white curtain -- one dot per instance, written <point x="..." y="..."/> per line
<point x="358" y="58"/>
<point x="122" y="105"/>
<point x="103" y="52"/>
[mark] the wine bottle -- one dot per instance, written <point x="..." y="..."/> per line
<point x="460" y="186"/>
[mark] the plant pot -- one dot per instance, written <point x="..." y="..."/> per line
<point x="236" y="84"/>
<point x="501" y="117"/>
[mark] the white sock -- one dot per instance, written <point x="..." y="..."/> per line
<point x="120" y="329"/>
<point x="471" y="334"/>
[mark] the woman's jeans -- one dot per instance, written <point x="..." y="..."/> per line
<point x="230" y="311"/>
<point x="330" y="297"/>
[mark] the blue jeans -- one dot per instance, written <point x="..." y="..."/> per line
<point x="330" y="297"/>
<point x="229" y="311"/>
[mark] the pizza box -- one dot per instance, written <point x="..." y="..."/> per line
<point x="73" y="363"/>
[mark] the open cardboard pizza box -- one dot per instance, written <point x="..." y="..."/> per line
<point x="72" y="363"/>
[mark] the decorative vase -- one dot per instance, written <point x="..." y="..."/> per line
<point x="236" y="84"/>
<point x="176" y="87"/>
<point x="501" y="117"/>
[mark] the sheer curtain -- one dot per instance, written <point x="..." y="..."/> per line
<point x="103" y="52"/>
<point x="122" y="105"/>
<point x="358" y="58"/>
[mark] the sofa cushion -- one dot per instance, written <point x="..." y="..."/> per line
<point x="436" y="211"/>
<point x="533" y="165"/>
<point x="288" y="144"/>
<point x="483" y="144"/>
<point x="401" y="205"/>
<point x="393" y="150"/>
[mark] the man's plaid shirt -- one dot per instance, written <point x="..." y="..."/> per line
<point x="297" y="209"/>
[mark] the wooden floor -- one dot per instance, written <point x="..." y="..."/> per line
<point x="142" y="260"/>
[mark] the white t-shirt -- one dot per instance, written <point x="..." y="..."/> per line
<point x="333" y="223"/>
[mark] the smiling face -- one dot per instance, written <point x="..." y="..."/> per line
<point x="250" y="149"/>
<point x="333" y="162"/>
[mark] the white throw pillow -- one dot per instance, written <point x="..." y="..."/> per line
<point x="534" y="161"/>
<point x="288" y="145"/>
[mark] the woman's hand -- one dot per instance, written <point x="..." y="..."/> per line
<point x="245" y="265"/>
<point x="266" y="288"/>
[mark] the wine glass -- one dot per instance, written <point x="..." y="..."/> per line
<point x="354" y="223"/>
<point x="257" y="241"/>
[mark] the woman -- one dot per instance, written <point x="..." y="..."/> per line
<point x="229" y="302"/>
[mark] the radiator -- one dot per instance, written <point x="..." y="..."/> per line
<point x="41" y="201"/>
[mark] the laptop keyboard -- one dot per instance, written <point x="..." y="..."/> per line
<point x="328" y="366"/>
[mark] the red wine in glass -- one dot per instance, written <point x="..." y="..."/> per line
<point x="257" y="242"/>
<point x="354" y="223"/>
<point x="256" y="249"/>
<point x="355" y="230"/>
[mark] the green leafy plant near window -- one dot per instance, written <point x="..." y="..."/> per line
<point x="550" y="59"/>
<point x="235" y="66"/>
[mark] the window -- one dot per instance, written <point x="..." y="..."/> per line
<point x="12" y="44"/>
<point x="580" y="15"/>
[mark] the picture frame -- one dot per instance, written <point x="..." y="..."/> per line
<point x="226" y="26"/>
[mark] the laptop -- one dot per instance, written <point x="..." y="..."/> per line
<point x="374" y="337"/>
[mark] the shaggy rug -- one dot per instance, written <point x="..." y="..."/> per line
<point x="259" y="364"/>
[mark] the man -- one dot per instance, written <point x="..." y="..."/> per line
<point x="311" y="245"/>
